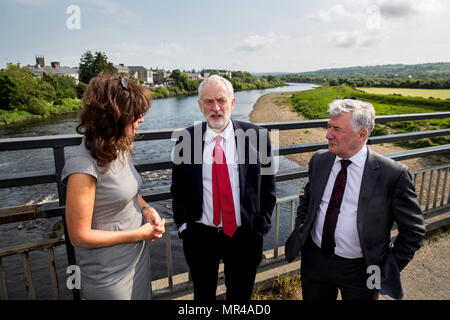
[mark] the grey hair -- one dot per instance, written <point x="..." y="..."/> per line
<point x="216" y="79"/>
<point x="363" y="113"/>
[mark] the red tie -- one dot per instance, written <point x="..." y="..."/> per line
<point x="334" y="206"/>
<point x="222" y="196"/>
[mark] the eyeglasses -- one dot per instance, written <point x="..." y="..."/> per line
<point x="210" y="102"/>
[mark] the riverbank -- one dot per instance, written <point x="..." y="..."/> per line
<point x="46" y="111"/>
<point x="10" y="118"/>
<point x="272" y="108"/>
<point x="170" y="92"/>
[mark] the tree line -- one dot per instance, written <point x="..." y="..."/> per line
<point x="382" y="82"/>
<point x="240" y="80"/>
<point x="21" y="92"/>
<point x="23" y="96"/>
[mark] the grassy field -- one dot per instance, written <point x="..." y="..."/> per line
<point x="425" y="93"/>
<point x="313" y="104"/>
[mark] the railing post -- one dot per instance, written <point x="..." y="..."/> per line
<point x="59" y="157"/>
<point x="444" y="186"/>
<point x="292" y="215"/>
<point x="436" y="190"/>
<point x="53" y="273"/>
<point x="28" y="277"/>
<point x="169" y="258"/>
<point x="430" y="182"/>
<point x="3" y="291"/>
<point x="422" y="183"/>
<point x="277" y="231"/>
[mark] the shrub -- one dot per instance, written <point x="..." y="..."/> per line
<point x="379" y="131"/>
<point x="440" y="140"/>
<point x="81" y="87"/>
<point x="37" y="106"/>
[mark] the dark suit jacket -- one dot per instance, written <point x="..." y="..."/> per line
<point x="387" y="195"/>
<point x="257" y="192"/>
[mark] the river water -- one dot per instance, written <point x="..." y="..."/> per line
<point x="164" y="113"/>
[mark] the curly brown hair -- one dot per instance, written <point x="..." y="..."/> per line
<point x="110" y="105"/>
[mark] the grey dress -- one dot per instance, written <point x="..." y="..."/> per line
<point x="121" y="271"/>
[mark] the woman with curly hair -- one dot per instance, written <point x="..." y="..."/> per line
<point x="107" y="219"/>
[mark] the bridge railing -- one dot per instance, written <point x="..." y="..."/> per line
<point x="431" y="185"/>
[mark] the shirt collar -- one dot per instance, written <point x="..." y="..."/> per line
<point x="227" y="134"/>
<point x="359" y="159"/>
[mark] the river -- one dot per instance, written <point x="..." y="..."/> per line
<point x="164" y="113"/>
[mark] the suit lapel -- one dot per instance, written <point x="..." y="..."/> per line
<point x="368" y="183"/>
<point x="197" y="167"/>
<point x="323" y="169"/>
<point x="242" y="167"/>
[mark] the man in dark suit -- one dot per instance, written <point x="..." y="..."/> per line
<point x="345" y="216"/>
<point x="223" y="190"/>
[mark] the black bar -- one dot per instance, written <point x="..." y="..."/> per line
<point x="292" y="125"/>
<point x="40" y="142"/>
<point x="45" y="177"/>
<point x="412" y="116"/>
<point x="300" y="148"/>
<point x="28" y="179"/>
<point x="419" y="153"/>
<point x="408" y="136"/>
<point x="292" y="174"/>
<point x="146" y="135"/>
<point x="156" y="194"/>
<point x="158" y="165"/>
<point x="59" y="157"/>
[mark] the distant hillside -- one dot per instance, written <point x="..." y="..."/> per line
<point x="439" y="69"/>
<point x="275" y="74"/>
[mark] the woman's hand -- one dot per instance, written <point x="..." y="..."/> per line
<point x="151" y="215"/>
<point x="150" y="231"/>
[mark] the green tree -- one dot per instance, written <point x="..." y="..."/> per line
<point x="17" y="85"/>
<point x="63" y="86"/>
<point x="92" y="64"/>
<point x="183" y="82"/>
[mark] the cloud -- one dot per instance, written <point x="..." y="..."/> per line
<point x="257" y="42"/>
<point x="334" y="13"/>
<point x="124" y="52"/>
<point x="166" y="49"/>
<point x="113" y="9"/>
<point x="396" y="8"/>
<point x="367" y="23"/>
<point x="34" y="3"/>
<point x="352" y="39"/>
<point x="405" y="8"/>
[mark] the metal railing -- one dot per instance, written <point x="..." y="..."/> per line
<point x="432" y="192"/>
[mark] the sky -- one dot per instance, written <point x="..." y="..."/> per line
<point x="248" y="35"/>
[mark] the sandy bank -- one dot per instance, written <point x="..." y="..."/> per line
<point x="270" y="108"/>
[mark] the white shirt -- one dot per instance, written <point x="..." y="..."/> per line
<point x="228" y="144"/>
<point x="346" y="234"/>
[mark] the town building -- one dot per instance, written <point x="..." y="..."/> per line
<point x="121" y="69"/>
<point x="207" y="72"/>
<point x="55" y="68"/>
<point x="194" y="76"/>
<point x="141" y="73"/>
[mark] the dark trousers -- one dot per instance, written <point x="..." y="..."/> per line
<point x="322" y="276"/>
<point x="204" y="248"/>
